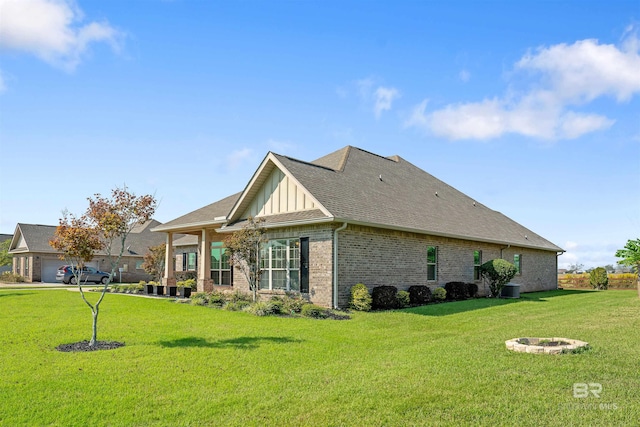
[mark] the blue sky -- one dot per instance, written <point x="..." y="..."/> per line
<point x="532" y="108"/>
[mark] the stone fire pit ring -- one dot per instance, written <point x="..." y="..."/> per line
<point x="553" y="345"/>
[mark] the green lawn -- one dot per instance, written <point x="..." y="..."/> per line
<point x="442" y="364"/>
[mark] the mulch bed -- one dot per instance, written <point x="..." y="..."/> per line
<point x="84" y="346"/>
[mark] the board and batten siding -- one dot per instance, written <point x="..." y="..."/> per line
<point x="279" y="194"/>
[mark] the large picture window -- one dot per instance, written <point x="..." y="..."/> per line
<point x="432" y="263"/>
<point x="220" y="268"/>
<point x="280" y="265"/>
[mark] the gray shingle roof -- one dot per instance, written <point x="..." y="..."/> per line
<point x="37" y="239"/>
<point x="205" y="214"/>
<point x="357" y="186"/>
<point x="391" y="192"/>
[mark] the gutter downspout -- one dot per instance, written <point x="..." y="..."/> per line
<point x="502" y="249"/>
<point x="335" y="263"/>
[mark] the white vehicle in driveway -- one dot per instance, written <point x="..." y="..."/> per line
<point x="66" y="275"/>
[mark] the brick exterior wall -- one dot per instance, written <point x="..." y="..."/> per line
<point x="385" y="257"/>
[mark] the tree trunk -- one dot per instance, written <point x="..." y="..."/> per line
<point x="94" y="336"/>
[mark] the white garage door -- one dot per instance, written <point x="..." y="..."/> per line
<point x="49" y="268"/>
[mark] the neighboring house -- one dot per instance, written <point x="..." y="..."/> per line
<point x="37" y="261"/>
<point x="354" y="216"/>
<point x="4" y="238"/>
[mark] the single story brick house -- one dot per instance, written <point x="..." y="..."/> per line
<point x="353" y="216"/>
<point x="37" y="261"/>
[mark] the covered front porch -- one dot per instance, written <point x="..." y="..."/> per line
<point x="208" y="263"/>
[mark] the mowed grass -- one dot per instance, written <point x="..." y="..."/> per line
<point x="441" y="364"/>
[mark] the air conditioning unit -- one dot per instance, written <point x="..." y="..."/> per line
<point x="510" y="290"/>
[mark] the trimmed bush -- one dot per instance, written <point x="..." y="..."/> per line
<point x="439" y="294"/>
<point x="384" y="297"/>
<point x="419" y="294"/>
<point x="360" y="298"/>
<point x="315" y="311"/>
<point x="498" y="272"/>
<point x="403" y="299"/>
<point x="598" y="279"/>
<point x="472" y="290"/>
<point x="456" y="291"/>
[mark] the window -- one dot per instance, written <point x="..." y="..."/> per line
<point x="280" y="265"/>
<point x="517" y="261"/>
<point x="432" y="263"/>
<point x="189" y="261"/>
<point x="220" y="268"/>
<point x="26" y="266"/>
<point x="18" y="261"/>
<point x="477" y="262"/>
<point x="139" y="265"/>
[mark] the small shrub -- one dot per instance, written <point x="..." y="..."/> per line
<point x="260" y="308"/>
<point x="236" y="305"/>
<point x="439" y="294"/>
<point x="216" y="299"/>
<point x="188" y="283"/>
<point x="403" y="299"/>
<point x="315" y="311"/>
<point x="472" y="290"/>
<point x="384" y="297"/>
<point x="9" y="277"/>
<point x="360" y="298"/>
<point x="419" y="294"/>
<point x="456" y="291"/>
<point x="598" y="279"/>
<point x="293" y="304"/>
<point x="239" y="296"/>
<point x="199" y="299"/>
<point x="277" y="304"/>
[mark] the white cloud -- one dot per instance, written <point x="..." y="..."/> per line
<point x="464" y="75"/>
<point x="237" y="157"/>
<point x="566" y="76"/>
<point x="52" y="31"/>
<point x="570" y="245"/>
<point x="379" y="97"/>
<point x="384" y="96"/>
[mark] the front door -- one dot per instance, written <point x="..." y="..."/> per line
<point x="304" y="265"/>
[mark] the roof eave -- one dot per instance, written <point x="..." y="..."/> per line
<point x="188" y="226"/>
<point x="448" y="235"/>
<point x="296" y="223"/>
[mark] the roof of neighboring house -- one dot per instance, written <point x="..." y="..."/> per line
<point x="36" y="237"/>
<point x="4" y="237"/>
<point x="356" y="186"/>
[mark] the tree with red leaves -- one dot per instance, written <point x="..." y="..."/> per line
<point x="104" y="226"/>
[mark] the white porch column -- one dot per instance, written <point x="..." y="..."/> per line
<point x="205" y="283"/>
<point x="169" y="278"/>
